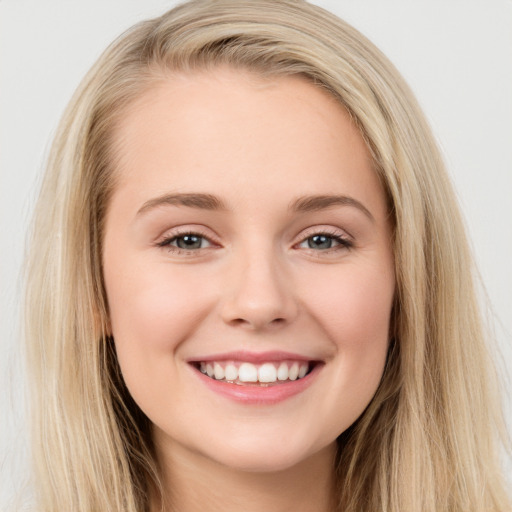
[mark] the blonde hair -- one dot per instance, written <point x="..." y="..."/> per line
<point x="430" y="439"/>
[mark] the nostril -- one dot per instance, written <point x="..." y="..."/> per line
<point x="257" y="324"/>
<point x="239" y="321"/>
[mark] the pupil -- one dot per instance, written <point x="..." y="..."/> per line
<point x="320" y="242"/>
<point x="189" y="242"/>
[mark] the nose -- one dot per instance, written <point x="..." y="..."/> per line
<point x="258" y="294"/>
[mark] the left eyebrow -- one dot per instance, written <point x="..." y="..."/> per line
<point x="322" y="202"/>
<point x="200" y="201"/>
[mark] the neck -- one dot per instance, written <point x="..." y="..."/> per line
<point x="193" y="483"/>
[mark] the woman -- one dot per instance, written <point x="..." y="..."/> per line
<point x="245" y="292"/>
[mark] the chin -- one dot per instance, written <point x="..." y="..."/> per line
<point x="261" y="457"/>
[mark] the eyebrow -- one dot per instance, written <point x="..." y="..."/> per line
<point x="322" y="202"/>
<point x="201" y="201"/>
<point x="302" y="204"/>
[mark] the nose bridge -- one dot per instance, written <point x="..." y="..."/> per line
<point x="258" y="293"/>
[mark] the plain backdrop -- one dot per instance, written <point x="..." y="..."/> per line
<point x="455" y="54"/>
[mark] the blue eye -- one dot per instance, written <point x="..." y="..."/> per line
<point x="186" y="241"/>
<point x="320" y="242"/>
<point x="324" y="242"/>
<point x="189" y="241"/>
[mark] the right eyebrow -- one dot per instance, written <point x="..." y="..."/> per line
<point x="322" y="202"/>
<point x="201" y="201"/>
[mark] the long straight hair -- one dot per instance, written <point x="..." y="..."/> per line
<point x="429" y="441"/>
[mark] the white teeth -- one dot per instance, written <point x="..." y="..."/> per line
<point x="267" y="373"/>
<point x="218" y="371"/>
<point x="293" y="372"/>
<point x="270" y="372"/>
<point x="248" y="373"/>
<point x="282" y="372"/>
<point x="231" y="372"/>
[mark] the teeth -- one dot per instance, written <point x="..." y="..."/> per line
<point x="267" y="373"/>
<point x="231" y="372"/>
<point x="282" y="372"/>
<point x="218" y="371"/>
<point x="247" y="372"/>
<point x="293" y="372"/>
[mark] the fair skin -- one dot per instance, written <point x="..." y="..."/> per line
<point x="243" y="271"/>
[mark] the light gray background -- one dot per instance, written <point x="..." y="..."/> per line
<point x="456" y="55"/>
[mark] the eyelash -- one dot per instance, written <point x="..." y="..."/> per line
<point x="166" y="242"/>
<point x="342" y="241"/>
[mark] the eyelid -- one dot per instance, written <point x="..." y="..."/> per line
<point x="325" y="230"/>
<point x="164" y="240"/>
<point x="343" y="239"/>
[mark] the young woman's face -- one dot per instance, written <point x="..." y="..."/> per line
<point x="247" y="238"/>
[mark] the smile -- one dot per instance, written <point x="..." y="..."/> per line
<point x="257" y="378"/>
<point x="246" y="373"/>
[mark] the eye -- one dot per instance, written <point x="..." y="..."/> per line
<point x="185" y="242"/>
<point x="325" y="242"/>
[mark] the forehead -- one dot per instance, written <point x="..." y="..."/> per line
<point x="223" y="130"/>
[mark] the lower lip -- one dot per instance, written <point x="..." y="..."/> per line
<point x="255" y="394"/>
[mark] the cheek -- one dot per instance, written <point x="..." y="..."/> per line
<point x="152" y="311"/>
<point x="154" y="308"/>
<point x="354" y="306"/>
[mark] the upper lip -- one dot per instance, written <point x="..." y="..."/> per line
<point x="251" y="357"/>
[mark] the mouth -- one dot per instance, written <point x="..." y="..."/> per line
<point x="263" y="374"/>
<point x="256" y="378"/>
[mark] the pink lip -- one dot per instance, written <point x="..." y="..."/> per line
<point x="251" y="357"/>
<point x="254" y="394"/>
